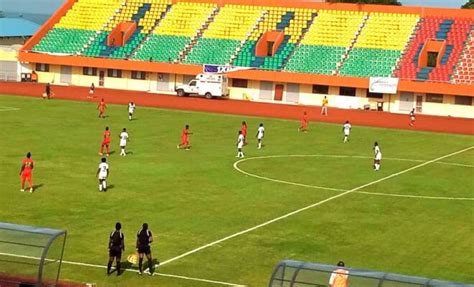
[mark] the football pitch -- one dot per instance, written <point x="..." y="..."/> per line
<point x="218" y="220"/>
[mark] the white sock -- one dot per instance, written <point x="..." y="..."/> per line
<point x="260" y="145"/>
<point x="129" y="118"/>
<point x="100" y="187"/>
<point x="122" y="151"/>
<point x="104" y="185"/>
<point x="345" y="139"/>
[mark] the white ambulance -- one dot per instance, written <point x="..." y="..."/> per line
<point x="208" y="85"/>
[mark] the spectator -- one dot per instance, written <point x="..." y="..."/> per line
<point x="412" y="117"/>
<point x="47" y="93"/>
<point x="34" y="77"/>
<point x="324" y="107"/>
<point x="91" y="91"/>
<point x="339" y="277"/>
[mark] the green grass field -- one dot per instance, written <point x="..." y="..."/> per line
<point x="192" y="198"/>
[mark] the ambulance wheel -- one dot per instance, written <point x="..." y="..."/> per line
<point x="181" y="93"/>
<point x="208" y="95"/>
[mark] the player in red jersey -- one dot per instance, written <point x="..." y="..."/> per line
<point x="244" y="131"/>
<point x="304" y="123"/>
<point x="101" y="108"/>
<point x="25" y="172"/>
<point x="185" y="138"/>
<point x="105" y="142"/>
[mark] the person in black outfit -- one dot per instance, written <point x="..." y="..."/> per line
<point x="116" y="246"/>
<point x="144" y="238"/>
<point x="48" y="91"/>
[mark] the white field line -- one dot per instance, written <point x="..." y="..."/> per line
<point x="416" y="196"/>
<point x="360" y="192"/>
<point x="236" y="167"/>
<point x="456" y="164"/>
<point x="277" y="180"/>
<point x="310" y="206"/>
<point x="130" y="270"/>
<point x="351" y="156"/>
<point x="8" y="109"/>
<point x="198" y="279"/>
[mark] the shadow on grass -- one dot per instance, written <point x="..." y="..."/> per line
<point x="37" y="186"/>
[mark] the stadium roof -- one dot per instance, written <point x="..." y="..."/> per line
<point x="17" y="27"/>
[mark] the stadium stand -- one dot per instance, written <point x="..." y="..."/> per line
<point x="291" y="51"/>
<point x="230" y="28"/>
<point x="465" y="70"/>
<point x="182" y="24"/>
<point x="326" y="41"/>
<point x="379" y="45"/>
<point x="331" y="42"/>
<point x="146" y="13"/>
<point x="293" y="22"/>
<point x="453" y="31"/>
<point x="78" y="26"/>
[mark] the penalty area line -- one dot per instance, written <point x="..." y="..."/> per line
<point x="130" y="270"/>
<point x="311" y="206"/>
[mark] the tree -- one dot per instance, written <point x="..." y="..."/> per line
<point x="469" y="5"/>
<point x="385" y="2"/>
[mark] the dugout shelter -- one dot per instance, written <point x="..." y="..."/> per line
<point x="290" y="273"/>
<point x="30" y="255"/>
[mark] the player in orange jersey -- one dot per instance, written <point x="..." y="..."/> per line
<point x="185" y="138"/>
<point x="244" y="131"/>
<point x="105" y="142"/>
<point x="101" y="108"/>
<point x="304" y="123"/>
<point x="25" y="172"/>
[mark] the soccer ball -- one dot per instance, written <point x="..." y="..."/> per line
<point x="133" y="258"/>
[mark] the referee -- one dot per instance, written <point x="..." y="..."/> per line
<point x="116" y="246"/>
<point x="144" y="238"/>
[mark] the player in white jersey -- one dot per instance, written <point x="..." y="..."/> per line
<point x="260" y="135"/>
<point x="378" y="156"/>
<point x="102" y="174"/>
<point x="412" y="117"/>
<point x="347" y="130"/>
<point x="123" y="141"/>
<point x="131" y="109"/>
<point x="240" y="144"/>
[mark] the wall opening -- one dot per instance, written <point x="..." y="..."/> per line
<point x="432" y="59"/>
